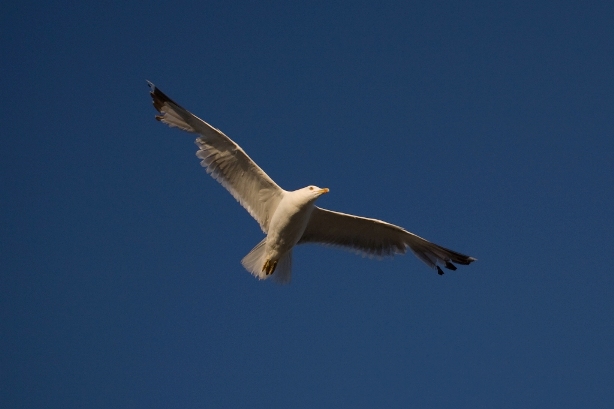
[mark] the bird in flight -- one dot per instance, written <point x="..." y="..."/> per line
<point x="289" y="218"/>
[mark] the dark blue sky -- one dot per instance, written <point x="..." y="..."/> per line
<point x="486" y="127"/>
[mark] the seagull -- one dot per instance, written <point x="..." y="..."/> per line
<point x="289" y="218"/>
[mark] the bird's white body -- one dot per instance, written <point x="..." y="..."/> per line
<point x="286" y="228"/>
<point x="289" y="222"/>
<point x="291" y="218"/>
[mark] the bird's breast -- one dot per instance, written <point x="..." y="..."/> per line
<point x="287" y="226"/>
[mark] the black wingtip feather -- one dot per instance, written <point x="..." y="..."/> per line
<point x="439" y="271"/>
<point x="159" y="97"/>
<point x="450" y="266"/>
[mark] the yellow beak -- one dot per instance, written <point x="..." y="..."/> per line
<point x="325" y="190"/>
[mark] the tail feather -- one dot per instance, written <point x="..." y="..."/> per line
<point x="254" y="260"/>
<point x="283" y="271"/>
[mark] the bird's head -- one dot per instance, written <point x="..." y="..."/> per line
<point x="313" y="192"/>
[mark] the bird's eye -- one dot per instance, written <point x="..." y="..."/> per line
<point x="310" y="187"/>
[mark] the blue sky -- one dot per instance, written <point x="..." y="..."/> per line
<point x="486" y="127"/>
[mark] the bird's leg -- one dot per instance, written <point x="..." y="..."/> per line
<point x="269" y="266"/>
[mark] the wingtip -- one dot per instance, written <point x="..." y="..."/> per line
<point x="465" y="260"/>
<point x="159" y="97"/>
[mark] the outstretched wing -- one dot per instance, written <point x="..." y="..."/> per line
<point x="374" y="237"/>
<point x="224" y="160"/>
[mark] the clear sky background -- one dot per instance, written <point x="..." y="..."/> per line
<point x="486" y="127"/>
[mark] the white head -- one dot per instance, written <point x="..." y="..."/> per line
<point x="311" y="193"/>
